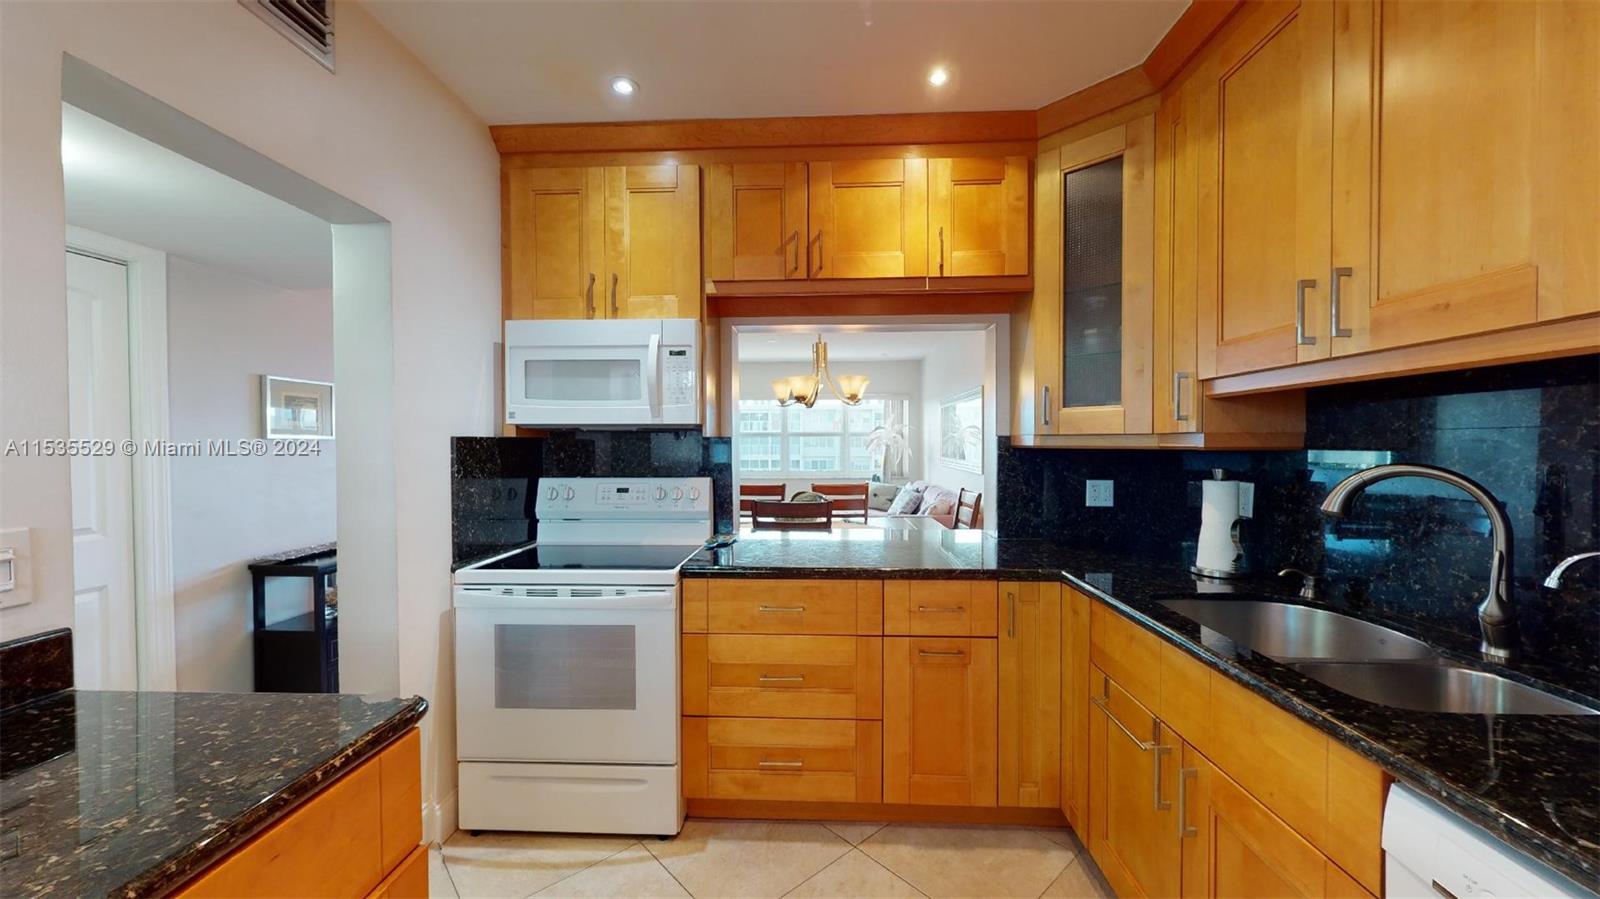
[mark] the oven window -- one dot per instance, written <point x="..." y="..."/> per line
<point x="583" y="380"/>
<point x="564" y="666"/>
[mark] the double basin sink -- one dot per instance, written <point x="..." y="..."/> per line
<point x="1367" y="660"/>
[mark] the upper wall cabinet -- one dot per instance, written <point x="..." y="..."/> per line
<point x="1091" y="313"/>
<point x="604" y="242"/>
<point x="756" y="221"/>
<point x="1377" y="175"/>
<point x="1262" y="118"/>
<point x="555" y="249"/>
<point x="978" y="216"/>
<point x="869" y="219"/>
<point x="653" y="241"/>
<point x="1466" y="174"/>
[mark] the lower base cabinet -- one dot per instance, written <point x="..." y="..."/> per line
<point x="940" y="721"/>
<point x="1133" y="827"/>
<point x="359" y="836"/>
<point x="785" y="759"/>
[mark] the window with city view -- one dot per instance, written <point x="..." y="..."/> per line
<point x="828" y="440"/>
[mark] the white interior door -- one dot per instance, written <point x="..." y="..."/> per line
<point x="104" y="639"/>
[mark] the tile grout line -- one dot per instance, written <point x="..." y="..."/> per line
<point x="577" y="872"/>
<point x="849" y="848"/>
<point x="681" y="885"/>
<point x="447" y="875"/>
<point x="893" y="873"/>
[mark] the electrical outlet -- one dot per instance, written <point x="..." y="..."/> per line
<point x="1247" y="499"/>
<point x="1097" y="494"/>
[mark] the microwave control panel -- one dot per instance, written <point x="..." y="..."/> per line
<point x="678" y="385"/>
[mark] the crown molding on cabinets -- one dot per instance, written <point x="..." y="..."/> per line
<point x="794" y="131"/>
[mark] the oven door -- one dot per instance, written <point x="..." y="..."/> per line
<point x="567" y="676"/>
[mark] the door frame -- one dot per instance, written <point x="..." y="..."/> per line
<point x="155" y="637"/>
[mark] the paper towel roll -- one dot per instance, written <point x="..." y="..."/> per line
<point x="1218" y="550"/>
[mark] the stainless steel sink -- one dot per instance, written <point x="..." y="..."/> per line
<point x="1438" y="688"/>
<point x="1288" y="632"/>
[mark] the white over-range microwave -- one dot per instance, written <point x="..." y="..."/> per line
<point x="582" y="373"/>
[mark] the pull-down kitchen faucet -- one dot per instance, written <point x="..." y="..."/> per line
<point x="1495" y="618"/>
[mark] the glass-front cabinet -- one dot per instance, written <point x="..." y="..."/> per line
<point x="1092" y="305"/>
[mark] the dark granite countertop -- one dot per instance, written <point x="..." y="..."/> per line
<point x="1534" y="781"/>
<point x="131" y="794"/>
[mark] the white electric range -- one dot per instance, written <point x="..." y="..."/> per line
<point x="567" y="661"/>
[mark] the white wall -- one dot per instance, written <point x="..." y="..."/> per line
<point x="960" y="364"/>
<point x="383" y="132"/>
<point x="225" y="330"/>
<point x="897" y="377"/>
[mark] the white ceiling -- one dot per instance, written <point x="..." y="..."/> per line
<point x="120" y="184"/>
<point x="521" y="62"/>
<point x="856" y="346"/>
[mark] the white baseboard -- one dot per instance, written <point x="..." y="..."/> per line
<point x="440" y="819"/>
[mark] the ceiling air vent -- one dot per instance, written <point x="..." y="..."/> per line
<point x="307" y="23"/>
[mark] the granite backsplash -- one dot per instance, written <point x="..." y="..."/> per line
<point x="1411" y="548"/>
<point x="492" y="479"/>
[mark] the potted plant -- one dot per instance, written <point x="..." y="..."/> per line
<point x="890" y="445"/>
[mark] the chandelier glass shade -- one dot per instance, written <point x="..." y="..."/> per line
<point x="805" y="389"/>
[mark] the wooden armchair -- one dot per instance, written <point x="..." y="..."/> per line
<point x="969" y="509"/>
<point x="847" y="500"/>
<point x="780" y="516"/>
<point x="750" y="494"/>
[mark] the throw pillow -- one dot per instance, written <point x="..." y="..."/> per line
<point x="905" y="502"/>
<point x="881" y="496"/>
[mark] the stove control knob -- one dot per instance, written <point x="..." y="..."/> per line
<point x="551" y="493"/>
<point x="694" y="494"/>
<point x="661" y="494"/>
<point x="569" y="493"/>
<point x="677" y="493"/>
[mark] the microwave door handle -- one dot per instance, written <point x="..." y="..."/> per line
<point x="652" y="365"/>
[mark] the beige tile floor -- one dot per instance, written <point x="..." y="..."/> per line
<point x="747" y="859"/>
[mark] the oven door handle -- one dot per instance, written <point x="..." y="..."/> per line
<point x="478" y="600"/>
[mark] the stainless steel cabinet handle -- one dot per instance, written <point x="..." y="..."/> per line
<point x="1301" y="338"/>
<point x="1157" y="802"/>
<point x="1011" y="623"/>
<point x="818" y="270"/>
<point x="941" y="250"/>
<point x="781" y="763"/>
<point x="1343" y="271"/>
<point x="942" y="653"/>
<point x="1178" y="377"/>
<point x="781" y="678"/>
<point x="1184" y="776"/>
<point x="1103" y="703"/>
<point x="1046" y="404"/>
<point x="941" y="608"/>
<point x="589" y="296"/>
<point x="780" y="608"/>
<point x="796" y="238"/>
<point x="615" y="313"/>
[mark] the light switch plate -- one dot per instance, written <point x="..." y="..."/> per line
<point x="1098" y="494"/>
<point x="1247" y="499"/>
<point x="18" y="569"/>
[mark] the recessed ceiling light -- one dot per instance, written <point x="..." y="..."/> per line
<point x="623" y="86"/>
<point x="938" y="76"/>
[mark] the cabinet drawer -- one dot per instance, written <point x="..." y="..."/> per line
<point x="768" y="758"/>
<point x="940" y="608"/>
<point x="748" y="675"/>
<point x="794" y="607"/>
<point x="1127" y="652"/>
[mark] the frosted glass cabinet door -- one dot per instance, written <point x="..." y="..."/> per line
<point x="1106" y="208"/>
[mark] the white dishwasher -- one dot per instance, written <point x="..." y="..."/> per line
<point x="1430" y="852"/>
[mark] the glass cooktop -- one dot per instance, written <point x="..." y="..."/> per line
<point x="592" y="557"/>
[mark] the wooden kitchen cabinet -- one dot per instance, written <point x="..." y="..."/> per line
<point x="604" y="242"/>
<point x="939" y="721"/>
<point x="556" y="244"/>
<point x="783" y="759"/>
<point x="978" y="216"/>
<point x="1263" y="120"/>
<point x="1132" y="777"/>
<point x="1075" y="613"/>
<point x="1092" y="301"/>
<point x="1030" y="695"/>
<point x="1232" y="845"/>
<point x="868" y="218"/>
<point x="756" y="226"/>
<point x="361" y="835"/>
<point x="1464" y="168"/>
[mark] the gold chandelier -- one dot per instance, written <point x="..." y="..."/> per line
<point x="804" y="389"/>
